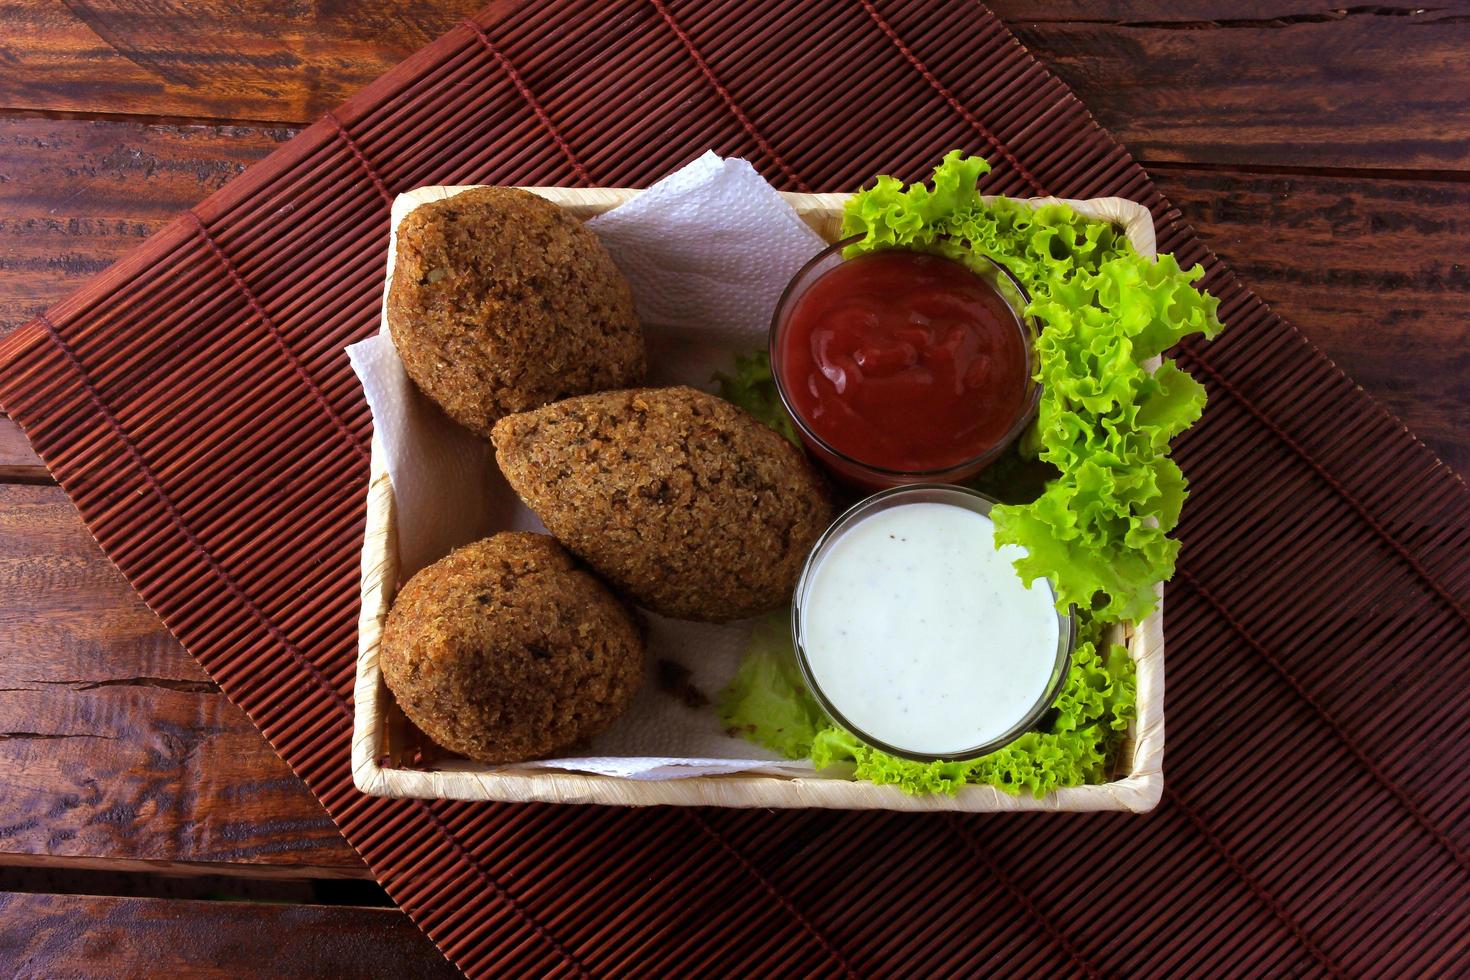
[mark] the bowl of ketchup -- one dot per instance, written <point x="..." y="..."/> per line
<point x="904" y="367"/>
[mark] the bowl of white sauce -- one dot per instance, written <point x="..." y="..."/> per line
<point x="916" y="634"/>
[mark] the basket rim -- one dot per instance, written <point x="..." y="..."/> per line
<point x="1139" y="791"/>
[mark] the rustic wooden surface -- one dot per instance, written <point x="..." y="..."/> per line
<point x="1264" y="83"/>
<point x="47" y="936"/>
<point x="1324" y="152"/>
<point x="114" y="742"/>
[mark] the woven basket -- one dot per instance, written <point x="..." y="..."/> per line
<point x="377" y="766"/>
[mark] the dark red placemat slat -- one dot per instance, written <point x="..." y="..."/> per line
<point x="195" y="402"/>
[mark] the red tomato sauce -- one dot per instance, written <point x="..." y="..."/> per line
<point x="904" y="361"/>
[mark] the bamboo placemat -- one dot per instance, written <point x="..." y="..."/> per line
<point x="195" y="402"/>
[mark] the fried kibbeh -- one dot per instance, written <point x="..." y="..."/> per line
<point x="502" y="302"/>
<point x="681" y="500"/>
<point x="507" y="650"/>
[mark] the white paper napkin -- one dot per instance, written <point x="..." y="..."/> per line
<point x="707" y="250"/>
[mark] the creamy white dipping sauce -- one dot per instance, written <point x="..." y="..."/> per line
<point x="920" y="633"/>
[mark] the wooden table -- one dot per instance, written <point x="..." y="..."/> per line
<point x="1324" y="153"/>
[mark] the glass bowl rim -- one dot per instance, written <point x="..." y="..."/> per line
<point x="1029" y="331"/>
<point x="979" y="503"/>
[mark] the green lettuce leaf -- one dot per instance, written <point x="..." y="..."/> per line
<point x="768" y="702"/>
<point x="1098" y="527"/>
<point x="752" y="387"/>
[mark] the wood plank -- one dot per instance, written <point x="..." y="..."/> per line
<point x="114" y="744"/>
<point x="76" y="195"/>
<point x="208" y="59"/>
<point x="75" y="935"/>
<point x="1373" y="271"/>
<point x="18" y="461"/>
<point x="1266" y="82"/>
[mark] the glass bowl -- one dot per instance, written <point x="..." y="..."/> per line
<point x="894" y="497"/>
<point x="871" y="476"/>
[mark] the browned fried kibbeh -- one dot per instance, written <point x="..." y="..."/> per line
<point x="502" y="301"/>
<point x="507" y="650"/>
<point x="681" y="500"/>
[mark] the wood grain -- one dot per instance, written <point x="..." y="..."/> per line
<point x="1265" y="83"/>
<point x="18" y="461"/>
<point x="113" y="741"/>
<point x="45" y="936"/>
<point x="210" y="59"/>
<point x="1376" y="272"/>
<point x="76" y="195"/>
<point x="1259" y="82"/>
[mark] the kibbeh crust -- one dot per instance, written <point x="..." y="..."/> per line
<point x="681" y="500"/>
<point x="507" y="650"/>
<point x="502" y="302"/>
